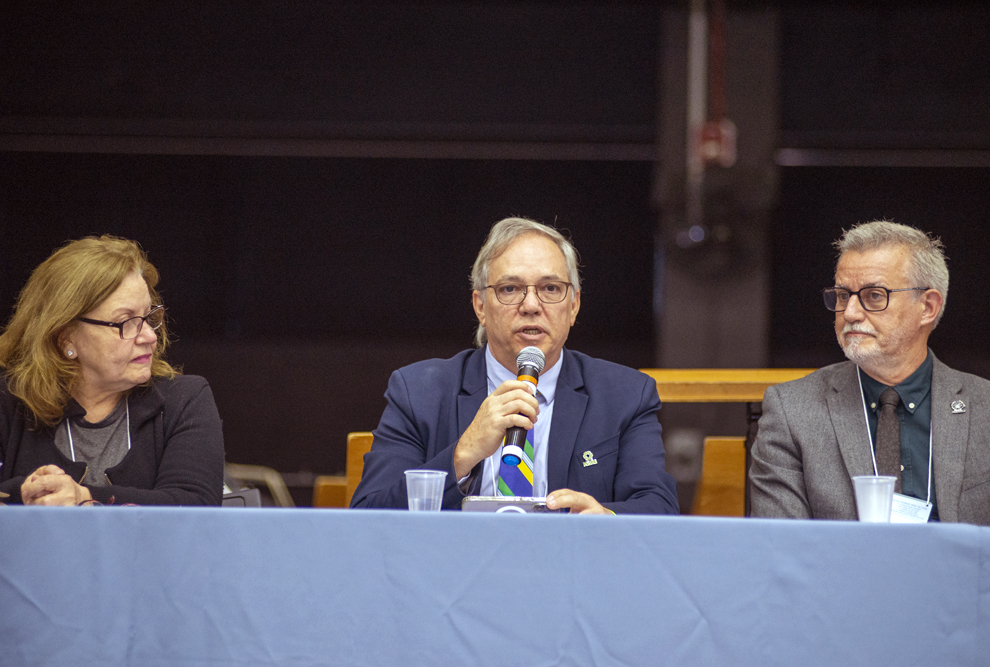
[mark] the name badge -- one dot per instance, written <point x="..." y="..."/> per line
<point x="906" y="509"/>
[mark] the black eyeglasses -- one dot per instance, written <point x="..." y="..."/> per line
<point x="872" y="299"/>
<point x="131" y="328"/>
<point x="512" y="294"/>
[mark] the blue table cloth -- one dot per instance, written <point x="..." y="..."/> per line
<point x="198" y="587"/>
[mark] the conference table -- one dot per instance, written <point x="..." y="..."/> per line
<point x="201" y="587"/>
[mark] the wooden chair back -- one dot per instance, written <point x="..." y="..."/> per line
<point x="330" y="491"/>
<point x="358" y="444"/>
<point x="721" y="490"/>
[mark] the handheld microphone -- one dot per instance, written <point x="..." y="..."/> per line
<point x="530" y="362"/>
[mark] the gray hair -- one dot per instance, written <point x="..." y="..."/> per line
<point x="502" y="234"/>
<point x="928" y="267"/>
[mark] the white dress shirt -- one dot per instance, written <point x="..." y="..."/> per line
<point x="545" y="390"/>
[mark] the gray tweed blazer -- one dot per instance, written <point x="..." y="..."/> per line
<point x="813" y="439"/>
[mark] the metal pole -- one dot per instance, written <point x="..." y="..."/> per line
<point x="697" y="109"/>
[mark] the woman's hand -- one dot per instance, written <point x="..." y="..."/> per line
<point x="49" y="485"/>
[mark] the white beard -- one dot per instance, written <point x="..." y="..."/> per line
<point x="866" y="352"/>
<point x="854" y="348"/>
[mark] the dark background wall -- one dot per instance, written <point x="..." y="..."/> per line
<point x="816" y="203"/>
<point x="296" y="285"/>
<point x="314" y="179"/>
<point x="899" y="96"/>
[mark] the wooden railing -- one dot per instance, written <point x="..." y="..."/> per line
<point x="719" y="385"/>
<point x="723" y="385"/>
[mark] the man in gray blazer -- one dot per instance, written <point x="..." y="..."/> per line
<point x="816" y="433"/>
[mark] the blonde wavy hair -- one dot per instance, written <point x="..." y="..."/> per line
<point x="76" y="279"/>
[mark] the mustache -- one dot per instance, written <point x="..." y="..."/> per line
<point x="858" y="327"/>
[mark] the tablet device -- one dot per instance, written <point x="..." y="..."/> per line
<point x="508" y="504"/>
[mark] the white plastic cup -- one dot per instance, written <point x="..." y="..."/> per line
<point x="874" y="496"/>
<point x="424" y="488"/>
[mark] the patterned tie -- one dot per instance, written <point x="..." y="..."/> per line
<point x="889" y="437"/>
<point x="517" y="480"/>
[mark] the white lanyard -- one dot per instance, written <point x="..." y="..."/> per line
<point x="869" y="435"/>
<point x="127" y="412"/>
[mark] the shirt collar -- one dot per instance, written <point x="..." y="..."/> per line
<point x="547" y="386"/>
<point x="912" y="391"/>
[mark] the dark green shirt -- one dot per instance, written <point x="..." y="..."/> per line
<point x="915" y="415"/>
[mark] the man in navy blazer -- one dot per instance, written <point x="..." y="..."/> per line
<point x="594" y="424"/>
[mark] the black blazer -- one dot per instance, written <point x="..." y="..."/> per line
<point x="176" y="455"/>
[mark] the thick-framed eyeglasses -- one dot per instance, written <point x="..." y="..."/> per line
<point x="131" y="328"/>
<point x="872" y="299"/>
<point x="512" y="294"/>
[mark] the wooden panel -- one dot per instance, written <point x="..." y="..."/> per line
<point x="358" y="444"/>
<point x="721" y="490"/>
<point x="330" y="491"/>
<point x="719" y="385"/>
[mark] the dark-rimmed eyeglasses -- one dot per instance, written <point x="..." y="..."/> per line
<point x="512" y="294"/>
<point x="131" y="328"/>
<point x="872" y="299"/>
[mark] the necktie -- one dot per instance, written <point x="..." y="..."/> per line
<point x="889" y="437"/>
<point x="517" y="480"/>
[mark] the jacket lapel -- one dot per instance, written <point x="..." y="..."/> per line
<point x="474" y="390"/>
<point x="845" y="407"/>
<point x="569" y="405"/>
<point x="950" y="434"/>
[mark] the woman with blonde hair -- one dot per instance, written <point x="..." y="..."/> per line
<point x="90" y="411"/>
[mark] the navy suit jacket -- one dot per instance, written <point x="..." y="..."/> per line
<point x="601" y="407"/>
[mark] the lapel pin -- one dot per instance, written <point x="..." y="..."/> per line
<point x="958" y="407"/>
<point x="589" y="459"/>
